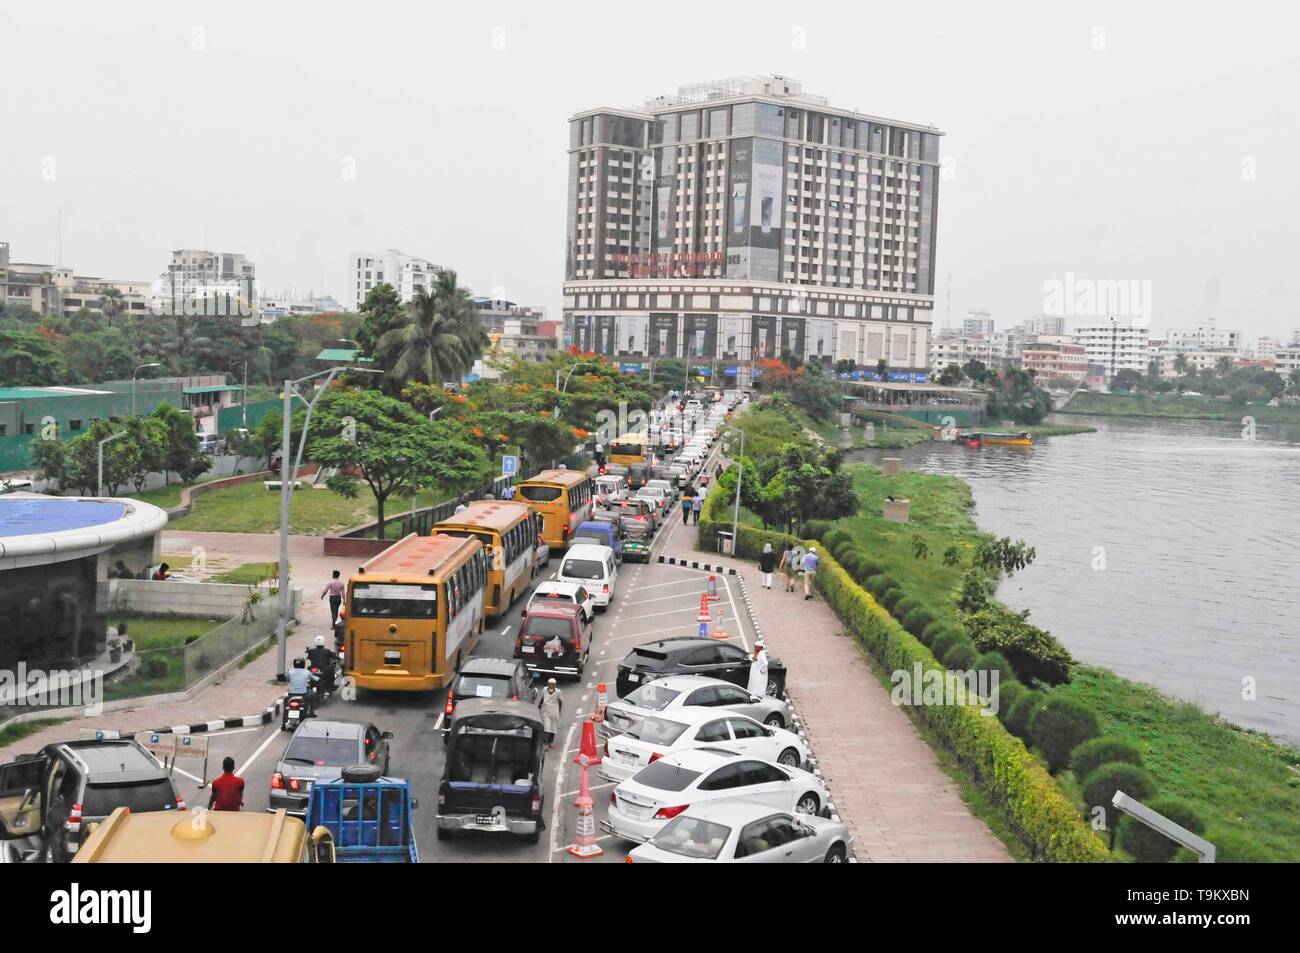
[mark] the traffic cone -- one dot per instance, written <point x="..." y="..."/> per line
<point x="718" y="632"/>
<point x="587" y="754"/>
<point x="713" y="587"/>
<point x="584" y="845"/>
<point x="601" y="699"/>
<point x="703" y="618"/>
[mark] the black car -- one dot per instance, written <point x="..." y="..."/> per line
<point x="638" y="474"/>
<point x="499" y="678"/>
<point x="687" y="656"/>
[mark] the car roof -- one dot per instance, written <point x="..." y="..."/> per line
<point x="589" y="551"/>
<point x="481" y="665"/>
<point x="705" y="759"/>
<point x="554" y="609"/>
<point x="126" y="759"/>
<point x="557" y="585"/>
<point x="686" y="683"/>
<point x="673" y="646"/>
<point x="315" y="728"/>
<point x="732" y="813"/>
<point x="692" y="715"/>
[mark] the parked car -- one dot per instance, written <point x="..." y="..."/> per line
<point x="486" y="677"/>
<point x="49" y="799"/>
<point x="554" y="639"/>
<point x="573" y="593"/>
<point x="663" y="696"/>
<point x="692" y="656"/>
<point x="697" y="777"/>
<point x="657" y="736"/>
<point x="594" y="568"/>
<point x="732" y="832"/>
<point x="319" y="751"/>
<point x="212" y="444"/>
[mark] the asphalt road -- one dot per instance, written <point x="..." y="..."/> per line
<point x="651" y="601"/>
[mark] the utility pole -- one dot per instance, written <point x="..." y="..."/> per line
<point x="120" y="433"/>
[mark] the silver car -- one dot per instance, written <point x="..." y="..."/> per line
<point x="736" y="832"/>
<point x="678" y="691"/>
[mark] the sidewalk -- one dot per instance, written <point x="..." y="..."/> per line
<point x="887" y="783"/>
<point x="245" y="691"/>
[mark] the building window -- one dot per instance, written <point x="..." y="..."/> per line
<point x="74" y="424"/>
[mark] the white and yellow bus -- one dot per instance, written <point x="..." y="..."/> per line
<point x="508" y="530"/>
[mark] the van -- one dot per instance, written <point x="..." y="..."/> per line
<point x="601" y="534"/>
<point x="205" y="837"/>
<point x="594" y="568"/>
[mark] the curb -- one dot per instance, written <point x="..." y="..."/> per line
<point x="696" y="564"/>
<point x="219" y="724"/>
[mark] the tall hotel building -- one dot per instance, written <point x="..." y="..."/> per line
<point x="744" y="219"/>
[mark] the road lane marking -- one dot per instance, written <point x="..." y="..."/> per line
<point x="258" y="753"/>
<point x="677" y="595"/>
<point x="198" y="781"/>
<point x="675" y="582"/>
<point x="559" y="779"/>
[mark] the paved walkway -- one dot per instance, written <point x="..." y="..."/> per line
<point x="887" y="783"/>
<point x="245" y="691"/>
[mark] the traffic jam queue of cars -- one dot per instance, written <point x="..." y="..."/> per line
<point x="704" y="767"/>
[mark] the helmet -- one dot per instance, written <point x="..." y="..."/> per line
<point x="320" y="640"/>
<point x="299" y="663"/>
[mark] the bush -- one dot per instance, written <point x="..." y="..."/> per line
<point x="889" y="598"/>
<point x="991" y="661"/>
<point x="817" y="529"/>
<point x="932" y="632"/>
<point x="1008" y="694"/>
<point x="1059" y="727"/>
<point x="836" y="538"/>
<point x="918" y="620"/>
<point x="1032" y="652"/>
<point x="904" y="606"/>
<point x="869" y="568"/>
<point x="960" y="656"/>
<point x="1233" y="846"/>
<point x="851" y="560"/>
<point x="1151" y="847"/>
<point x="944" y="641"/>
<point x="883" y="584"/>
<point x="1095" y="752"/>
<point x="155" y="668"/>
<point x="1100" y="787"/>
<point x="872" y="582"/>
<point x="1019" y="714"/>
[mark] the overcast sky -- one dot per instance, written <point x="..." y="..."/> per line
<point x="1153" y="142"/>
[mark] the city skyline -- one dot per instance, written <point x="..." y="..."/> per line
<point x="1064" y="152"/>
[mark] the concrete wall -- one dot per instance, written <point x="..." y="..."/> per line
<point x="171" y="597"/>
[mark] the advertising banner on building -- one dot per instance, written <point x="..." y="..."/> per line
<point x="700" y="335"/>
<point x="765" y="204"/>
<point x="633" y="335"/>
<point x="584" y="332"/>
<point x="821" y="341"/>
<point x="663" y="335"/>
<point x="730" y="336"/>
<point x="738" y="208"/>
<point x="793" y="337"/>
<point x="605" y="340"/>
<point x="762" y="336"/>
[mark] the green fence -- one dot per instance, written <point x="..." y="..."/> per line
<point x="230" y="418"/>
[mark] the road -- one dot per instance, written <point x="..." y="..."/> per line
<point x="651" y="601"/>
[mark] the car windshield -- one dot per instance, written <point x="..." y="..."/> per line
<point x="102" y="799"/>
<point x="483" y="686"/>
<point x="312" y="749"/>
<point x="665" y="776"/>
<point x="652" y="696"/>
<point x="546" y="627"/>
<point x="583" y="569"/>
<point x="657" y="731"/>
<point x="692" y="837"/>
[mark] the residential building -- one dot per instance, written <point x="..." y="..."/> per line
<point x="404" y="272"/>
<point x="959" y="350"/>
<point x="1287" y="359"/>
<point x="53" y="290"/>
<point x="1114" y="345"/>
<point x="1045" y="325"/>
<point x="1203" y="337"/>
<point x="224" y="281"/>
<point x="977" y="324"/>
<point x="745" y="219"/>
<point x="1266" y="348"/>
<point x="1055" y="359"/>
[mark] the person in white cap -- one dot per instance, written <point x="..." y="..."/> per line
<point x="758" y="670"/>
<point x="809" y="567"/>
<point x="551" y="705"/>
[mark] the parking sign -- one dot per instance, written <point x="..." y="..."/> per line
<point x="509" y="465"/>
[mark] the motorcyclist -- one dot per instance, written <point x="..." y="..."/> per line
<point x="301" y="681"/>
<point x="321" y="658"/>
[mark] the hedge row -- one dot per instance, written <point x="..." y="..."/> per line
<point x="997" y="761"/>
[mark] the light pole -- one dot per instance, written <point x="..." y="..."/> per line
<point x="120" y="433"/>
<point x="570" y="374"/>
<point x="740" y="474"/>
<point x="135" y="372"/>
<point x="288" y="477"/>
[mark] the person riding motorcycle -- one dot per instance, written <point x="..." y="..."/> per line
<point x="300" y="683"/>
<point x="320" y="657"/>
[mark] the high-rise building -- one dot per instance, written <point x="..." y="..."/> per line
<point x="745" y="219"/>
<point x="218" y="279"/>
<point x="1114" y="346"/>
<point x="404" y="272"/>
<point x="977" y="324"/>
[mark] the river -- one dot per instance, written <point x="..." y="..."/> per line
<point x="1167" y="551"/>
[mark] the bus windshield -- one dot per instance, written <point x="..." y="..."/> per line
<point x="540" y="494"/>
<point x="394" y="600"/>
<point x="484" y="538"/>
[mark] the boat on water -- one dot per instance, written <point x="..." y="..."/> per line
<point x="986" y="438"/>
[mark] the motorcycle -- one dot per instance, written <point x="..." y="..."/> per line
<point x="296" y="710"/>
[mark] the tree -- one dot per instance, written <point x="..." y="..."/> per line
<point x="1126" y="381"/>
<point x="29" y="358"/>
<point x="440" y="343"/>
<point x="181" y="447"/>
<point x="50" y="461"/>
<point x="950" y="376"/>
<point x="1182" y="365"/>
<point x="111" y="305"/>
<point x="150" y="435"/>
<point x="388" y="446"/>
<point x="121" y="459"/>
<point x="882" y="369"/>
<point x="1223" y="366"/>
<point x="266" y="438"/>
<point x="1014" y="394"/>
<point x="383" y="312"/>
<point x="1004" y="555"/>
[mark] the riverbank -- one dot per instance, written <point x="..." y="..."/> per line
<point x="1244" y="786"/>
<point x="1187" y="408"/>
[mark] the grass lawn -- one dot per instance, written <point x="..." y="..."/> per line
<point x="249" y="574"/>
<point x="1058" y="430"/>
<point x="1136" y="405"/>
<point x="164" y="632"/>
<point x="17" y="732"/>
<point x="251" y="508"/>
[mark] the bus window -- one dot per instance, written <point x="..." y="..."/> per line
<point x="394" y="600"/>
<point x="540" y="494"/>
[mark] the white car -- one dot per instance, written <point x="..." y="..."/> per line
<point x="611" y="487"/>
<point x="746" y="834"/>
<point x="571" y="592"/>
<point x="656" y="495"/>
<point x="665" y="485"/>
<point x="640" y="806"/>
<point x="667" y="695"/>
<point x="593" y="567"/>
<point x="658" y="736"/>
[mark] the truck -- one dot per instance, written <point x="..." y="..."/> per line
<point x="368" y="816"/>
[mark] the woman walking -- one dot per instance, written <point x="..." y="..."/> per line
<point x="767" y="563"/>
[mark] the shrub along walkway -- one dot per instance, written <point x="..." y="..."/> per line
<point x="887" y="783"/>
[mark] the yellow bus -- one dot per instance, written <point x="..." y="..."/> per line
<point x="204" y="837"/>
<point x="630" y="449"/>
<point x="415" y="612"/>
<point x="508" y="531"/>
<point x="563" y="500"/>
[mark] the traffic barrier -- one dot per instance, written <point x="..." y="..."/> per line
<point x="601" y="699"/>
<point x="584" y="845"/>
<point x="713" y="587"/>
<point x="703" y="618"/>
<point x="718" y="632"/>
<point x="695" y="564"/>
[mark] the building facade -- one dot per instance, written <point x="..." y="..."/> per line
<point x="404" y="272"/>
<point x="1114" y="346"/>
<point x="1055" y="360"/>
<point x="742" y="220"/>
<point x="197" y="275"/>
<point x="977" y="324"/>
<point x="54" y="290"/>
<point x="1203" y="337"/>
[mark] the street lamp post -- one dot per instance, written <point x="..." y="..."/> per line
<point x="135" y="372"/>
<point x="120" y="433"/>
<point x="740" y="474"/>
<point x="288" y="477"/>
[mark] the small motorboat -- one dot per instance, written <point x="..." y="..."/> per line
<point x="981" y="438"/>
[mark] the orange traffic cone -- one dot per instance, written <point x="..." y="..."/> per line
<point x="584" y="845"/>
<point x="601" y="699"/>
<point x="718" y="632"/>
<point x="587" y="754"/>
<point x="713" y="587"/>
<point x="703" y="618"/>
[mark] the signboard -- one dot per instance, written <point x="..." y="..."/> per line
<point x="509" y="465"/>
<point x="191" y="746"/>
<point x="762" y="336"/>
<point x="627" y="368"/>
<point x="98" y="734"/>
<point x="793" y="337"/>
<point x="663" y="335"/>
<point x="633" y="334"/>
<point x="161" y="746"/>
<point x="699" y="335"/>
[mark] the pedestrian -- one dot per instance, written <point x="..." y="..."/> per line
<point x="766" y="563"/>
<point x="787" y="566"/>
<point x="686" y="510"/>
<point x="551" y="705"/>
<point x="334" y="589"/>
<point x="462" y="503"/>
<point x="227" y="790"/>
<point x="507" y="491"/>
<point x="810" y="561"/>
<point x="161" y="572"/>
<point x="758" y="670"/>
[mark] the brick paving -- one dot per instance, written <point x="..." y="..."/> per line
<point x="886" y="781"/>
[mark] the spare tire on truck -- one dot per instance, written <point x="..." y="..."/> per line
<point x="362" y="774"/>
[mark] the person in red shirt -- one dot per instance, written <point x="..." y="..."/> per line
<point x="227" y="790"/>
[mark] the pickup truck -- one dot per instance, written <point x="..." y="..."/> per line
<point x="368" y="816"/>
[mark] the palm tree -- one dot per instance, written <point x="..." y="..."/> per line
<point x="111" y="304"/>
<point x="442" y="339"/>
<point x="1223" y="366"/>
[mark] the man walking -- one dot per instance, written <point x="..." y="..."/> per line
<point x="687" y="504"/>
<point x="551" y="705"/>
<point x="810" y="561"/>
<point x="787" y="566"/>
<point x="334" y="589"/>
<point x="757" y="684"/>
<point x="227" y="790"/>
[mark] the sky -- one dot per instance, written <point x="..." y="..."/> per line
<point x="1153" y="143"/>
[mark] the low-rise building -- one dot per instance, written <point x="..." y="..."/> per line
<point x="55" y="290"/>
<point x="1055" y="360"/>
